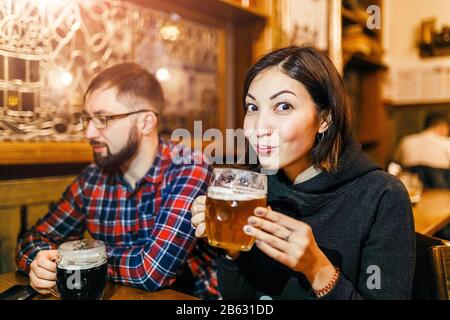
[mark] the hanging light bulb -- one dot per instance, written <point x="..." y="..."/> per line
<point x="66" y="78"/>
<point x="59" y="81"/>
<point x="162" y="74"/>
<point x="245" y="3"/>
<point x="170" y="30"/>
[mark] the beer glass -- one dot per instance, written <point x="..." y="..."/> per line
<point x="232" y="197"/>
<point x="413" y="185"/>
<point x="81" y="270"/>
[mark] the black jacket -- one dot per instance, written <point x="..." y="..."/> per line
<point x="361" y="219"/>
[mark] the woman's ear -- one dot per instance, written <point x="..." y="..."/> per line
<point x="325" y="122"/>
<point x="150" y="123"/>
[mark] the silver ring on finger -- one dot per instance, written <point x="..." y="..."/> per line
<point x="286" y="238"/>
<point x="193" y="227"/>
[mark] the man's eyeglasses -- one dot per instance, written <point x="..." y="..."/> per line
<point x="102" y="121"/>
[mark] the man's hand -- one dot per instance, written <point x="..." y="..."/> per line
<point x="43" y="271"/>
<point x="198" y="216"/>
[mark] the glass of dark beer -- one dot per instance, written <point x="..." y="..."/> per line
<point x="233" y="195"/>
<point x="81" y="270"/>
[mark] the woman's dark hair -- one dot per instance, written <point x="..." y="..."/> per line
<point x="315" y="71"/>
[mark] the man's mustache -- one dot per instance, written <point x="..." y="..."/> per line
<point x="96" y="143"/>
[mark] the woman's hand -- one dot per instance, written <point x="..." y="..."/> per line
<point x="198" y="210"/>
<point x="292" y="243"/>
<point x="198" y="216"/>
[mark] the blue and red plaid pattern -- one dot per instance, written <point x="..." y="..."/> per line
<point x="147" y="230"/>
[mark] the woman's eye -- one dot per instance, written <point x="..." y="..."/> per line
<point x="283" y="107"/>
<point x="251" y="107"/>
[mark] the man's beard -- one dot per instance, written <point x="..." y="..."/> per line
<point x="112" y="162"/>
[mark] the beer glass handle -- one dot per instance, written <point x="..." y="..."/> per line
<point x="54" y="291"/>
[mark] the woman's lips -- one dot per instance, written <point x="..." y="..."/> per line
<point x="265" y="150"/>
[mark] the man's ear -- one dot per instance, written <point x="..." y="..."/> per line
<point x="325" y="121"/>
<point x="149" y="123"/>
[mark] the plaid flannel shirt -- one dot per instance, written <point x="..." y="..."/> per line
<point x="147" y="230"/>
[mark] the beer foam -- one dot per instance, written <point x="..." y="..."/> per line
<point x="237" y="194"/>
<point x="69" y="264"/>
<point x="81" y="254"/>
<point x="83" y="244"/>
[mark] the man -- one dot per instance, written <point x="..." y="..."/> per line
<point x="427" y="153"/>
<point x="134" y="198"/>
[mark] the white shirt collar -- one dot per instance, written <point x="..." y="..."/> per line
<point x="309" y="173"/>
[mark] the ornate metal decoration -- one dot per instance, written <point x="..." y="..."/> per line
<point x="51" y="49"/>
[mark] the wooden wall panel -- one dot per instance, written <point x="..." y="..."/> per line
<point x="44" y="152"/>
<point x="9" y="230"/>
<point x="35" y="194"/>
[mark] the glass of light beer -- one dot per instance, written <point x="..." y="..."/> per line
<point x="233" y="195"/>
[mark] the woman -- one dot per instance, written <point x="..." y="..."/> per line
<point x="337" y="226"/>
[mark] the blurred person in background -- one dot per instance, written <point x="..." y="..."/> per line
<point x="427" y="153"/>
